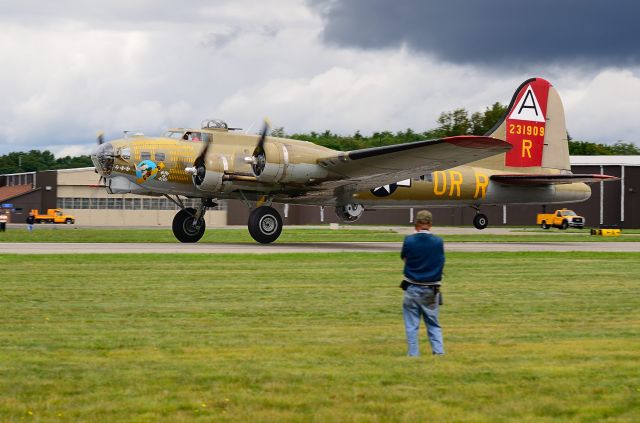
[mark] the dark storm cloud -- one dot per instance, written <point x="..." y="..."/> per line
<point x="490" y="31"/>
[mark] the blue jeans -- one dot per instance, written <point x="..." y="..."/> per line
<point x="421" y="301"/>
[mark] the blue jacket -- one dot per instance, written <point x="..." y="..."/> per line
<point x="424" y="257"/>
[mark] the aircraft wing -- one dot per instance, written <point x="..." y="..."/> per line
<point x="372" y="167"/>
<point x="546" y="179"/>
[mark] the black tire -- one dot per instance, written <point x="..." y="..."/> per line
<point x="265" y="224"/>
<point x="564" y="225"/>
<point x="68" y="221"/>
<point x="544" y="225"/>
<point x="480" y="221"/>
<point x="183" y="228"/>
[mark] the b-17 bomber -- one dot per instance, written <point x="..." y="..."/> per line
<point x="524" y="159"/>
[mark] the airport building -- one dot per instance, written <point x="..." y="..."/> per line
<point x="76" y="191"/>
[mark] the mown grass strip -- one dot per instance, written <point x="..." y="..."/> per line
<point x="298" y="337"/>
<point x="289" y="234"/>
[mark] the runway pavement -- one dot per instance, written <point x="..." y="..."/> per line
<point x="315" y="247"/>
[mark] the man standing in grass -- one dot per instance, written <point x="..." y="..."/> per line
<point x="3" y="221"/>
<point x="423" y="255"/>
<point x="31" y="219"/>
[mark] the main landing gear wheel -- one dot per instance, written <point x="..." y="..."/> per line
<point x="183" y="227"/>
<point x="480" y="221"/>
<point x="265" y="224"/>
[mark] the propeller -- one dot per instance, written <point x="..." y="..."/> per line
<point x="258" y="159"/>
<point x="199" y="169"/>
<point x="102" y="157"/>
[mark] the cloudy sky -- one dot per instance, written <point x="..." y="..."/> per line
<point x="71" y="68"/>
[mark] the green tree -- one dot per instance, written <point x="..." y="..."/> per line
<point x="453" y="123"/>
<point x="482" y="123"/>
<point x="586" y="148"/>
<point x="36" y="160"/>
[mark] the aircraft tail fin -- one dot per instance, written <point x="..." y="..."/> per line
<point x="534" y="125"/>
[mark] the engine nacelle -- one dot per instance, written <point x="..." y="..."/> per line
<point x="350" y="212"/>
<point x="212" y="182"/>
<point x="278" y="169"/>
<point x="211" y="179"/>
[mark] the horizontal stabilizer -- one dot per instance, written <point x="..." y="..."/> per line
<point x="546" y="179"/>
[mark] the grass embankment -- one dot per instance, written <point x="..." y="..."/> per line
<point x="529" y="337"/>
<point x="289" y="234"/>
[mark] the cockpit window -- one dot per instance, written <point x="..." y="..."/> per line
<point x="194" y="136"/>
<point x="174" y="134"/>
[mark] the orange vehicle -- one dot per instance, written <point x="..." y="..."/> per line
<point x="53" y="216"/>
<point x="563" y="219"/>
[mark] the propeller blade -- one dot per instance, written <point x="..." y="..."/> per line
<point x="199" y="162"/>
<point x="259" y="156"/>
<point x="263" y="136"/>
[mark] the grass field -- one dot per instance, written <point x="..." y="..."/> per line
<point x="530" y="337"/>
<point x="291" y="234"/>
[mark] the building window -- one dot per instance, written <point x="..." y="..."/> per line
<point x="160" y="157"/>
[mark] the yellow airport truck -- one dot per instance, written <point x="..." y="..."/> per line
<point x="53" y="216"/>
<point x="563" y="219"/>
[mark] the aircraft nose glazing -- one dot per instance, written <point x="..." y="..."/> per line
<point x="102" y="158"/>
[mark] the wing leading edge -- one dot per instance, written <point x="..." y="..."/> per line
<point x="372" y="167"/>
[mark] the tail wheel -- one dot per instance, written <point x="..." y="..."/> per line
<point x="480" y="221"/>
<point x="564" y="225"/>
<point x="544" y="225"/>
<point x="184" y="228"/>
<point x="265" y="224"/>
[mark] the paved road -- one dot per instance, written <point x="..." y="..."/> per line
<point x="324" y="247"/>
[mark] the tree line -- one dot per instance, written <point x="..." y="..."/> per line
<point x="452" y="123"/>
<point x="36" y="160"/>
<point x="456" y="122"/>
